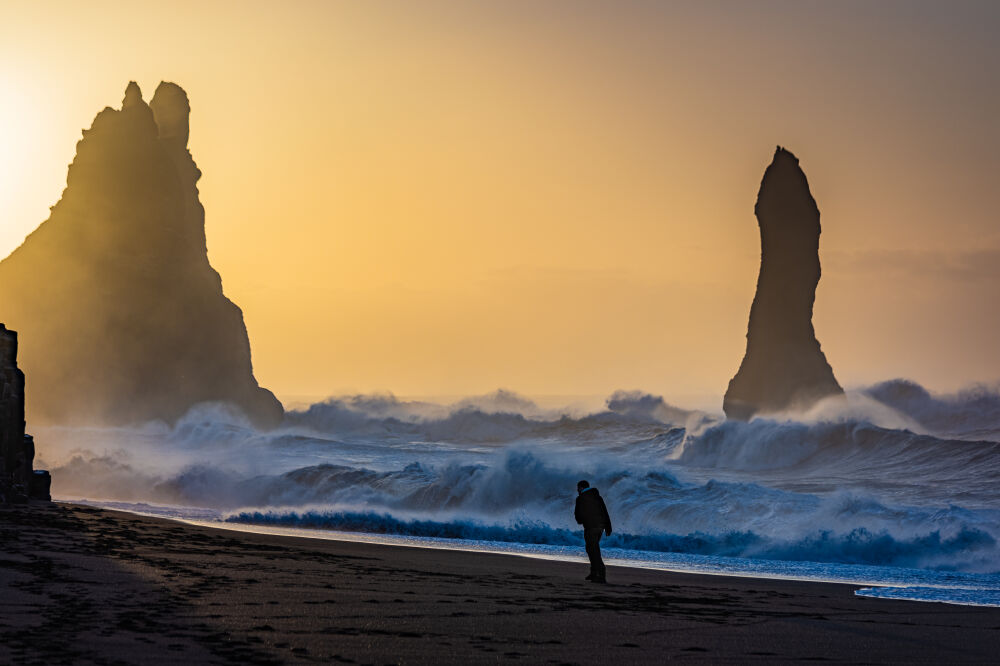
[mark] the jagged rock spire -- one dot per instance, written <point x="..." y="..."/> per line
<point x="122" y="316"/>
<point x="133" y="95"/>
<point x="171" y="110"/>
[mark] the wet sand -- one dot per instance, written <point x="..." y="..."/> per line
<point x="83" y="585"/>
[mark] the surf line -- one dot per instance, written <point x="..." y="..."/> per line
<point x="871" y="586"/>
<point x="866" y="587"/>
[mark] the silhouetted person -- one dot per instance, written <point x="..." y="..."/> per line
<point x="592" y="513"/>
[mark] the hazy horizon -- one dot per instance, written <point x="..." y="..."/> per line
<point x="446" y="199"/>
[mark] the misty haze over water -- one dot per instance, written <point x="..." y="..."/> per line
<point x="890" y="476"/>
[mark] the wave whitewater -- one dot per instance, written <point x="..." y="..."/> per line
<point x="859" y="546"/>
<point x="863" y="480"/>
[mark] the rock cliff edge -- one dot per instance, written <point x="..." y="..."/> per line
<point x="18" y="481"/>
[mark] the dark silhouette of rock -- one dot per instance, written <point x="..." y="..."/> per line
<point x="18" y="481"/>
<point x="123" y="318"/>
<point x="784" y="367"/>
<point x="39" y="480"/>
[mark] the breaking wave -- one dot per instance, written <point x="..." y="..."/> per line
<point x="859" y="546"/>
<point x="872" y="479"/>
<point x="973" y="413"/>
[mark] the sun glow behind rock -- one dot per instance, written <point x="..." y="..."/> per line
<point x="449" y="197"/>
<point x="19" y="129"/>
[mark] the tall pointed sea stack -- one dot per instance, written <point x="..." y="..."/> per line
<point x="784" y="366"/>
<point x="122" y="317"/>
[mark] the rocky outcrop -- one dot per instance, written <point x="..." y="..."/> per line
<point x="784" y="367"/>
<point x="123" y="318"/>
<point x="18" y="481"/>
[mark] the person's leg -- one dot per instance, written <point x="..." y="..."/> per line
<point x="601" y="572"/>
<point x="588" y="540"/>
<point x="592" y="538"/>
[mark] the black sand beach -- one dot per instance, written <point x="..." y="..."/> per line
<point x="81" y="585"/>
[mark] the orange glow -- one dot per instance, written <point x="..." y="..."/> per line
<point x="445" y="198"/>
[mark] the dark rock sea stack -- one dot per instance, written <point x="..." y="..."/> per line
<point x="18" y="481"/>
<point x="122" y="317"/>
<point x="784" y="367"/>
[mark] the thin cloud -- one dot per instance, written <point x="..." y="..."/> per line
<point x="960" y="266"/>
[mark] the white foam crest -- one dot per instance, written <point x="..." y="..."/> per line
<point x="852" y="406"/>
<point x="835" y="483"/>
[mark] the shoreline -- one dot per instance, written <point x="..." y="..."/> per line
<point x="801" y="571"/>
<point x="496" y="548"/>
<point x="83" y="584"/>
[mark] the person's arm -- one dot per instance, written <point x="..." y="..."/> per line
<point x="607" y="518"/>
<point x="576" y="511"/>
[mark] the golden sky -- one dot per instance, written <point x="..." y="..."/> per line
<point x="554" y="197"/>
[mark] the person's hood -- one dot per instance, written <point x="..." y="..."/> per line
<point x="589" y="489"/>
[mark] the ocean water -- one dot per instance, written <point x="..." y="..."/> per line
<point x="891" y="487"/>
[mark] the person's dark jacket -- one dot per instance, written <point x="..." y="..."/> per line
<point x="591" y="511"/>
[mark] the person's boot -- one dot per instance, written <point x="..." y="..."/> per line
<point x="590" y="576"/>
